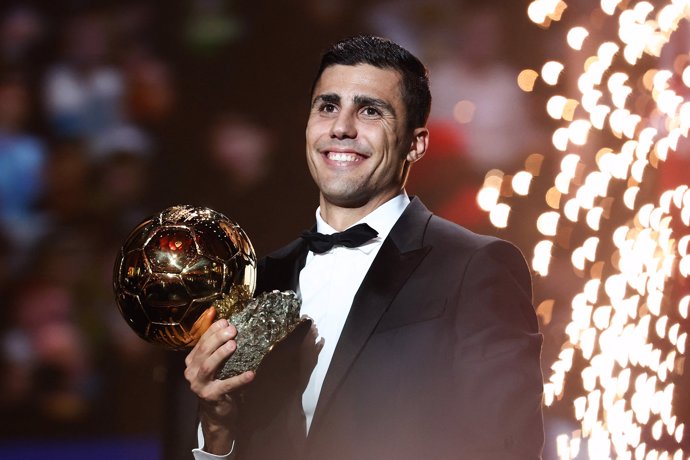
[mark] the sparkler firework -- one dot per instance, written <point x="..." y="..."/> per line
<point x="623" y="116"/>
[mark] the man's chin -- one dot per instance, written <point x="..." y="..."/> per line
<point x="345" y="200"/>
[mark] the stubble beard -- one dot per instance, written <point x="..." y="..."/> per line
<point x="345" y="195"/>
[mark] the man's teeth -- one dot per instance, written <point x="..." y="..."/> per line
<point x="339" y="156"/>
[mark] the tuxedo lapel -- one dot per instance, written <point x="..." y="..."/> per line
<point x="274" y="424"/>
<point x="397" y="259"/>
<point x="280" y="270"/>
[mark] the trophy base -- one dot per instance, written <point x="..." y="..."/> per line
<point x="262" y="322"/>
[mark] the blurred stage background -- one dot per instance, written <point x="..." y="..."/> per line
<point x="110" y="111"/>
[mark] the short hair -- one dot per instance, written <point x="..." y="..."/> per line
<point x="385" y="54"/>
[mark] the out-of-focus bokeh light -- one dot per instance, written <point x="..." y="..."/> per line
<point x="463" y="112"/>
<point x="576" y="37"/>
<point x="622" y="114"/>
<point x="551" y="71"/>
<point x="526" y="80"/>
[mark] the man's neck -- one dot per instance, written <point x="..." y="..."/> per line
<point x="340" y="218"/>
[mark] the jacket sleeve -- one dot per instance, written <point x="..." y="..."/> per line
<point x="496" y="362"/>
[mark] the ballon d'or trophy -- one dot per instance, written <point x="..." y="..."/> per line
<point x="175" y="265"/>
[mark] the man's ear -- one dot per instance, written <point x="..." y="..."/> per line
<point x="419" y="144"/>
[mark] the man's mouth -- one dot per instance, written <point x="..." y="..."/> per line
<point x="345" y="157"/>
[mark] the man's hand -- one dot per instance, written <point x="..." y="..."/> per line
<point x="217" y="398"/>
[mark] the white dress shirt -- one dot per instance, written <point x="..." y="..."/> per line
<point x="327" y="286"/>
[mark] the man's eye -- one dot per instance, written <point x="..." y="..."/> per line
<point x="328" y="108"/>
<point x="371" y="112"/>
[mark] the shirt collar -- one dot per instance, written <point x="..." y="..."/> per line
<point x="380" y="219"/>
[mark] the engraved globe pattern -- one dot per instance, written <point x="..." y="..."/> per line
<point x="174" y="265"/>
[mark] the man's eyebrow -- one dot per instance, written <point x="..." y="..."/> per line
<point x="331" y="98"/>
<point x="375" y="102"/>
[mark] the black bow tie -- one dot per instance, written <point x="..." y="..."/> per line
<point x="351" y="238"/>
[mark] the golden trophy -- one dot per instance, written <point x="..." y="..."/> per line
<point x="175" y="265"/>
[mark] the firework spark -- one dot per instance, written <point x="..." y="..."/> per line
<point x="625" y="114"/>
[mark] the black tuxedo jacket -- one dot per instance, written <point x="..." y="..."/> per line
<point x="438" y="358"/>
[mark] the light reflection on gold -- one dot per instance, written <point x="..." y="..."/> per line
<point x="629" y="114"/>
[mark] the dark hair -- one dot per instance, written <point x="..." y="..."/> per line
<point x="385" y="54"/>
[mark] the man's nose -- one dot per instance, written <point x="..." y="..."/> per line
<point x="344" y="126"/>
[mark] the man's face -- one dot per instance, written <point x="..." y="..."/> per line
<point x="357" y="139"/>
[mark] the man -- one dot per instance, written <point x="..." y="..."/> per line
<point x="429" y="345"/>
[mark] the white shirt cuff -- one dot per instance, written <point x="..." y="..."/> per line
<point x="199" y="453"/>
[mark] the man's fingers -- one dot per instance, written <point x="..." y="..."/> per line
<point x="202" y="324"/>
<point x="234" y="383"/>
<point x="201" y="374"/>
<point x="319" y="344"/>
<point x="215" y="336"/>
<point x="213" y="362"/>
<point x="215" y="389"/>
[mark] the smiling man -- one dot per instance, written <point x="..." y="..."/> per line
<point x="427" y="344"/>
<point x="359" y="147"/>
